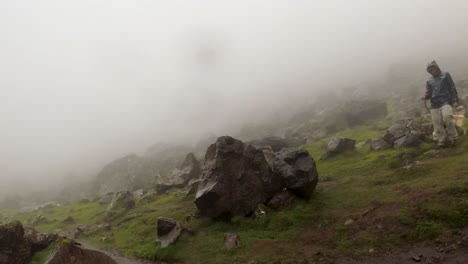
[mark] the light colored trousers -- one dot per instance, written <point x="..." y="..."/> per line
<point x="442" y="119"/>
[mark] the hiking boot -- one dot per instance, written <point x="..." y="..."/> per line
<point x="453" y="143"/>
<point x="440" y="146"/>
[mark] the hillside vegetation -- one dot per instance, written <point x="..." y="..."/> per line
<point x="388" y="199"/>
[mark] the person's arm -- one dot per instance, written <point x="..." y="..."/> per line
<point x="428" y="94"/>
<point x="453" y="90"/>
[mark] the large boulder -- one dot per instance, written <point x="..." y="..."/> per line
<point x="235" y="179"/>
<point x="407" y="141"/>
<point x="297" y="170"/>
<point x="14" y="247"/>
<point x="275" y="143"/>
<point x="121" y="203"/>
<point x="338" y="145"/>
<point x="71" y="252"/>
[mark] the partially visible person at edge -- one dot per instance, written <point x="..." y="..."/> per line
<point x="441" y="90"/>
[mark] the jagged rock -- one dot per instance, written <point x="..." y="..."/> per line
<point x="275" y="143"/>
<point x="379" y="144"/>
<point x="72" y="252"/>
<point x="269" y="155"/>
<point x="407" y="141"/>
<point x="68" y="220"/>
<point x="282" y="199"/>
<point x="231" y="241"/>
<point x="338" y="145"/>
<point x="38" y="241"/>
<point x="169" y="231"/>
<point x="106" y="198"/>
<point x="236" y="178"/>
<point x="14" y="247"/>
<point x="192" y="187"/>
<point x="395" y="132"/>
<point x="121" y="203"/>
<point x="189" y="170"/>
<point x="297" y="170"/>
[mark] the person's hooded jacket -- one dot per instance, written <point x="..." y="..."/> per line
<point x="441" y="89"/>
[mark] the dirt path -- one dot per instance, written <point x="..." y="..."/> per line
<point x="118" y="257"/>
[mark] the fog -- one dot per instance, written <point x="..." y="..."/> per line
<point x="84" y="82"/>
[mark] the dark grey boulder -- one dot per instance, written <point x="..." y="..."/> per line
<point x="121" y="203"/>
<point x="338" y="145"/>
<point x="235" y="179"/>
<point x="297" y="170"/>
<point x="14" y="247"/>
<point x="379" y="144"/>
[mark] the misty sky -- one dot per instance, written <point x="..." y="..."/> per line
<point x="84" y="82"/>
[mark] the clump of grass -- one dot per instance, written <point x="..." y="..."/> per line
<point x="424" y="230"/>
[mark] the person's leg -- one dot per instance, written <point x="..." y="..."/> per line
<point x="438" y="124"/>
<point x="447" y="116"/>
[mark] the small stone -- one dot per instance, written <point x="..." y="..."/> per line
<point x="231" y="241"/>
<point x="349" y="222"/>
<point x="416" y="258"/>
<point x="371" y="250"/>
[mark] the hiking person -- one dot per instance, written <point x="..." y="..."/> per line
<point x="441" y="90"/>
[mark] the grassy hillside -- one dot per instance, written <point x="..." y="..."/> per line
<point x="391" y="206"/>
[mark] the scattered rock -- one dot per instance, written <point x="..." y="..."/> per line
<point x="371" y="250"/>
<point x="39" y="219"/>
<point x="338" y="145"/>
<point x="282" y="200"/>
<point x="231" y="241"/>
<point x="297" y="170"/>
<point x="407" y="141"/>
<point x="417" y="258"/>
<point x="379" y="144"/>
<point x="236" y="178"/>
<point x="68" y="220"/>
<point x="71" y="252"/>
<point x="169" y="231"/>
<point x="121" y="203"/>
<point x="348" y="222"/>
<point x="395" y="132"/>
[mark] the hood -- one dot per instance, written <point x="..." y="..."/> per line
<point x="432" y="64"/>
